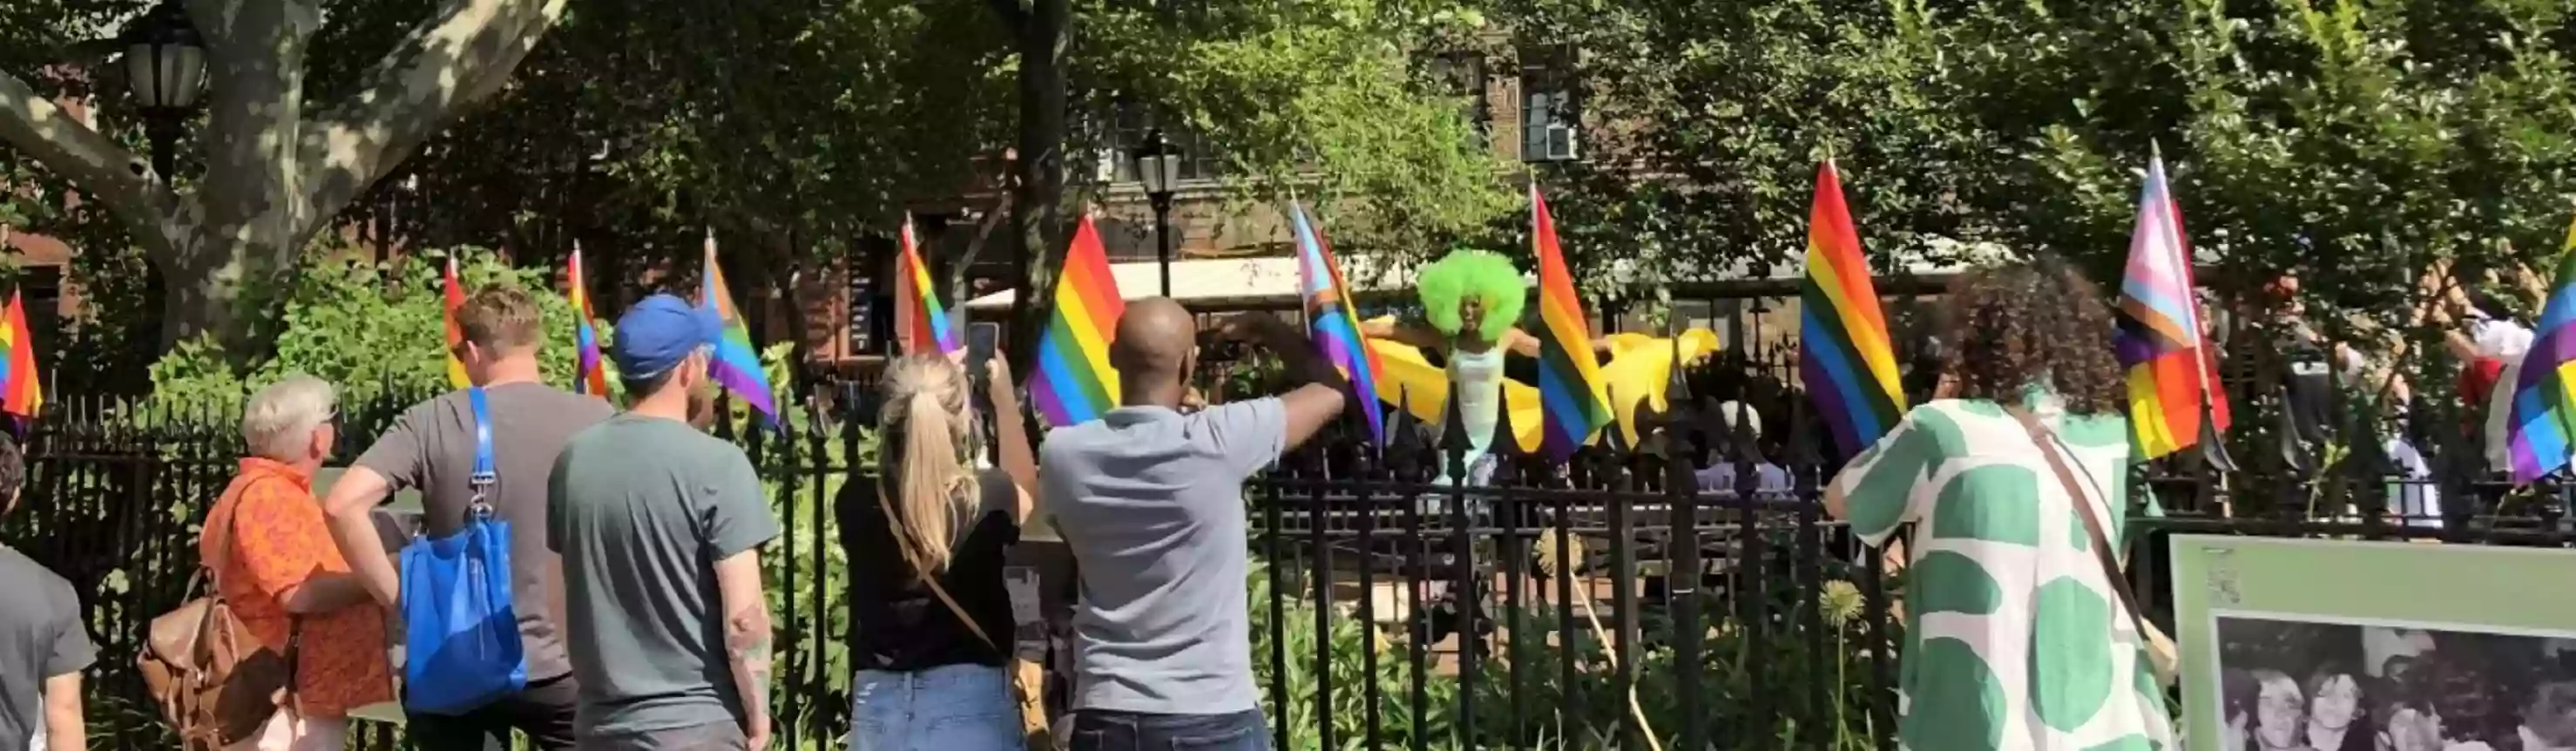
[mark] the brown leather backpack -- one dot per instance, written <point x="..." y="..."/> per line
<point x="215" y="682"/>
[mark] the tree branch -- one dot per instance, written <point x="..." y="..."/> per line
<point x="957" y="278"/>
<point x="463" y="54"/>
<point x="94" y="163"/>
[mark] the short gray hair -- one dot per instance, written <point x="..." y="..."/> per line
<point x="282" y="417"/>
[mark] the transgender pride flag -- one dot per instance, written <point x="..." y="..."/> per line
<point x="1333" y="322"/>
<point x="2159" y="338"/>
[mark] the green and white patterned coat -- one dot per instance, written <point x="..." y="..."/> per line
<point x="2014" y="638"/>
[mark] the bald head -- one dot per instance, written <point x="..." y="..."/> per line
<point x="1157" y="339"/>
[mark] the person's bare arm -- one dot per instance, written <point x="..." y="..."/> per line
<point x="1402" y="333"/>
<point x="1012" y="433"/>
<point x="65" y="730"/>
<point x="1309" y="409"/>
<point x="323" y="593"/>
<point x="1837" y="505"/>
<point x="747" y="639"/>
<point x="350" y="508"/>
<point x="1523" y="344"/>
<point x="2459" y="345"/>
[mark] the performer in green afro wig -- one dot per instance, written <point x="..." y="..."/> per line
<point x="1484" y="279"/>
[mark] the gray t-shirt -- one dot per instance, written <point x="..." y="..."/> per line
<point x="643" y="508"/>
<point x="41" y="636"/>
<point x="432" y="448"/>
<point x="1151" y="503"/>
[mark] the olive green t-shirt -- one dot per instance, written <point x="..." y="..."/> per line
<point x="642" y="508"/>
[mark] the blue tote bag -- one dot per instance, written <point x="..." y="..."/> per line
<point x="461" y="639"/>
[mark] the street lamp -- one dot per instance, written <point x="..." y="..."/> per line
<point x="165" y="65"/>
<point x="1158" y="164"/>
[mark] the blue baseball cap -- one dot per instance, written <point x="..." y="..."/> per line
<point x="658" y="333"/>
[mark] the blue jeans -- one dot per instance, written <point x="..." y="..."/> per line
<point x="947" y="708"/>
<point x="1100" y="730"/>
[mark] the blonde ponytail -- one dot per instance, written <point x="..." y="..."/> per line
<point x="925" y="410"/>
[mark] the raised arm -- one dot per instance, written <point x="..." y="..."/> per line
<point x="1521" y="343"/>
<point x="1012" y="433"/>
<point x="1287" y="343"/>
<point x="1309" y="409"/>
<point x="1386" y="327"/>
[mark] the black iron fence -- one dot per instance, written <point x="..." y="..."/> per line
<point x="1629" y="597"/>
<point x="1680" y="590"/>
<point x="117" y="491"/>
<point x="1606" y="601"/>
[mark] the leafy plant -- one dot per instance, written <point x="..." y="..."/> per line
<point x="372" y="329"/>
<point x="1587" y="713"/>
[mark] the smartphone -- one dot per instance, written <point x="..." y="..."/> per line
<point x="981" y="341"/>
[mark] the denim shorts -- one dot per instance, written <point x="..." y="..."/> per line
<point x="947" y="708"/>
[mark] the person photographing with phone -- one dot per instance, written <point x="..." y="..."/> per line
<point x="928" y="538"/>
<point x="1151" y="502"/>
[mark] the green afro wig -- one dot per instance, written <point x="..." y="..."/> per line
<point x="1486" y="275"/>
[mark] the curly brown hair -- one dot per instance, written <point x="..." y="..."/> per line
<point x="2034" y="323"/>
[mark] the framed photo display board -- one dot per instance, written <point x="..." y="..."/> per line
<point x="2329" y="645"/>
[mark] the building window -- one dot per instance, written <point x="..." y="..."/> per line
<point x="1462" y="75"/>
<point x="1550" y="128"/>
<point x="1200" y="159"/>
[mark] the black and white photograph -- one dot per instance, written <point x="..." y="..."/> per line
<point x="2293" y="684"/>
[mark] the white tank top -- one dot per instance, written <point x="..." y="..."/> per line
<point x="1476" y="381"/>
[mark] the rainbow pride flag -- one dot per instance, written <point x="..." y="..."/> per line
<point x="1074" y="383"/>
<point x="1333" y="323"/>
<point x="22" y="391"/>
<point x="454" y="301"/>
<point x="1572" y="402"/>
<point x="2159" y="339"/>
<point x="587" y="376"/>
<point x="1843" y="355"/>
<point x="2544" y="391"/>
<point x="736" y="364"/>
<point x="923" y="323"/>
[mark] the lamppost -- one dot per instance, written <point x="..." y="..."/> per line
<point x="165" y="65"/>
<point x="1158" y="164"/>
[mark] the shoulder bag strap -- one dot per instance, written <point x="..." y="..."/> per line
<point x="932" y="580"/>
<point x="213" y="568"/>
<point x="2052" y="447"/>
<point x="484" y="472"/>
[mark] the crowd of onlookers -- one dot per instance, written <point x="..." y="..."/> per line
<point x="632" y="560"/>
<point x="634" y="581"/>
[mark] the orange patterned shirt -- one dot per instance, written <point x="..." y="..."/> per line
<point x="279" y="539"/>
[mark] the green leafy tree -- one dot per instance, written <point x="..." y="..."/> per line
<point x="366" y="329"/>
<point x="2351" y="142"/>
<point x="283" y="149"/>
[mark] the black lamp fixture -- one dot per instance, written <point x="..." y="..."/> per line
<point x="165" y="65"/>
<point x="1158" y="165"/>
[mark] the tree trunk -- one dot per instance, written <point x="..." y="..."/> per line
<point x="1041" y="28"/>
<point x="277" y="173"/>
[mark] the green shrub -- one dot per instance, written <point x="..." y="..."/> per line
<point x="370" y="328"/>
<point x="1728" y="683"/>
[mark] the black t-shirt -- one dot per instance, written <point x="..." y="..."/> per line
<point x="2309" y="383"/>
<point x="901" y="625"/>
